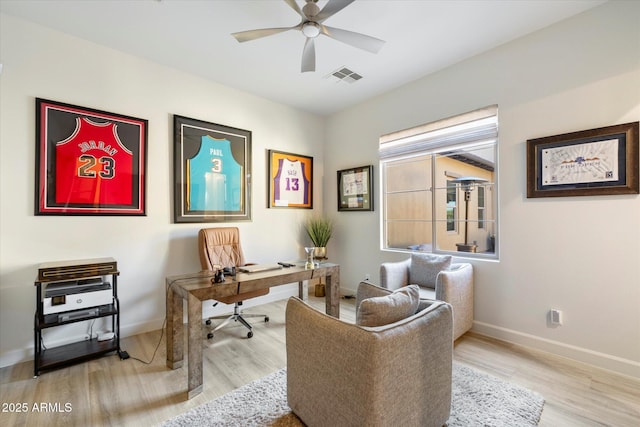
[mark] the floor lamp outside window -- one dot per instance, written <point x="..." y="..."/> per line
<point x="467" y="184"/>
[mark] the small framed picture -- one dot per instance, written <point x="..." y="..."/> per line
<point x="601" y="161"/>
<point x="212" y="172"/>
<point x="290" y="180"/>
<point x="355" y="189"/>
<point x="89" y="162"/>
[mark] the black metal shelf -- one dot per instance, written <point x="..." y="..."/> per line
<point x="51" y="320"/>
<point x="79" y="351"/>
<point x="76" y="352"/>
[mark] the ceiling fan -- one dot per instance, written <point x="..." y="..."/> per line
<point x="312" y="26"/>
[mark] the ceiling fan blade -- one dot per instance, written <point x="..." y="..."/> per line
<point x="294" y="6"/>
<point x="331" y="8"/>
<point x="361" y="41"/>
<point x="245" y="36"/>
<point x="309" y="56"/>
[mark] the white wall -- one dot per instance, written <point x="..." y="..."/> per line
<point x="38" y="62"/>
<point x="580" y="255"/>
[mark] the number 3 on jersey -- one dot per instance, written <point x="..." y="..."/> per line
<point x="217" y="165"/>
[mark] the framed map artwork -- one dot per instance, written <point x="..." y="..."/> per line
<point x="586" y="163"/>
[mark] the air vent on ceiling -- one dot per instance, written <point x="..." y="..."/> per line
<point x="346" y="75"/>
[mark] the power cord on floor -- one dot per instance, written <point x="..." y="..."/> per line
<point x="154" y="352"/>
<point x="164" y="322"/>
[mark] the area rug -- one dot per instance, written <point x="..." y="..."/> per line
<point x="478" y="399"/>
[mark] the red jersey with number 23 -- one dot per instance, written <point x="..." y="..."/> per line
<point x="93" y="167"/>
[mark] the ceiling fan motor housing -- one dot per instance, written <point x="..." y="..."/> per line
<point x="310" y="9"/>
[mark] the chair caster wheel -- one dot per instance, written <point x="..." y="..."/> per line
<point x="208" y="321"/>
<point x="266" y="319"/>
<point x="250" y="334"/>
<point x="209" y="335"/>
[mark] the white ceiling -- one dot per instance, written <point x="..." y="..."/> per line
<point x="422" y="36"/>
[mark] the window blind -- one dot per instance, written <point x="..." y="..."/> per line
<point x="474" y="127"/>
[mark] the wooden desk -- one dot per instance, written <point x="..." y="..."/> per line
<point x="197" y="287"/>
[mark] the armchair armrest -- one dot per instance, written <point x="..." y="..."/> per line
<point x="394" y="275"/>
<point x="456" y="287"/>
<point x="349" y="374"/>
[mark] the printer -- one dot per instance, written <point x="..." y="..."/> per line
<point x="76" y="295"/>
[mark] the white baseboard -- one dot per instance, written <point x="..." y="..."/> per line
<point x="16" y="356"/>
<point x="602" y="360"/>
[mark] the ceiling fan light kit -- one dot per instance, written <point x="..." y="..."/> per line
<point x="312" y="26"/>
<point x="311" y="29"/>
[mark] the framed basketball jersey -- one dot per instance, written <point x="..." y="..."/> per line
<point x="89" y="162"/>
<point x="290" y="180"/>
<point x="212" y="168"/>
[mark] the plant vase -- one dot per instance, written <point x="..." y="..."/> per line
<point x="320" y="253"/>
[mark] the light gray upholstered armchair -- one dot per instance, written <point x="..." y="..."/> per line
<point x="397" y="374"/>
<point x="438" y="279"/>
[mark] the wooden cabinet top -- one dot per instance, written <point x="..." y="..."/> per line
<point x="74" y="269"/>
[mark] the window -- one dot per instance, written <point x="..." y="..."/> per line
<point x="452" y="203"/>
<point x="480" y="207"/>
<point x="439" y="188"/>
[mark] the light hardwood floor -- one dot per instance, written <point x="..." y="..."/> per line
<point x="111" y="392"/>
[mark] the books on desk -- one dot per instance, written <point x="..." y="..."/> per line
<point x="258" y="268"/>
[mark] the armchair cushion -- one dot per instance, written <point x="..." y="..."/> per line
<point x="382" y="310"/>
<point x="369" y="290"/>
<point x="424" y="268"/>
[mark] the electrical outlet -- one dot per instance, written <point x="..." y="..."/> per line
<point x="555" y="317"/>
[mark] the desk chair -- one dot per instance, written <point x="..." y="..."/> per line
<point x="218" y="248"/>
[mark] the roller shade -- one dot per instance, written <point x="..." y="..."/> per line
<point x="478" y="126"/>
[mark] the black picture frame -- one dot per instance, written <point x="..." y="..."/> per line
<point x="602" y="161"/>
<point x="290" y="179"/>
<point x="212" y="172"/>
<point x="88" y="161"/>
<point x="355" y="189"/>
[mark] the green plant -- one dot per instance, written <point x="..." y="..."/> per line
<point x="319" y="230"/>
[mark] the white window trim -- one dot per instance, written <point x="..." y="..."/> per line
<point x="443" y="135"/>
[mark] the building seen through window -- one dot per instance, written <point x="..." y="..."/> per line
<point x="439" y="191"/>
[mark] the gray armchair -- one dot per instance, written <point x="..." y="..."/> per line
<point x="438" y="280"/>
<point x="398" y="374"/>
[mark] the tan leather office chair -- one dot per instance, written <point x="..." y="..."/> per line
<point x="220" y="247"/>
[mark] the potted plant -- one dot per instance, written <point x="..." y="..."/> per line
<point x="319" y="230"/>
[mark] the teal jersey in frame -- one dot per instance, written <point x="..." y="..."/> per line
<point x="215" y="178"/>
